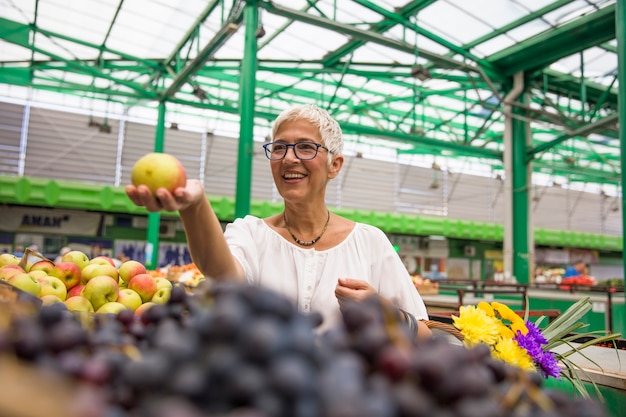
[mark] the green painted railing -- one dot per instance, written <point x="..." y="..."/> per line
<point x="44" y="192"/>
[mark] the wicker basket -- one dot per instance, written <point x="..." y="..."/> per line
<point x="444" y="327"/>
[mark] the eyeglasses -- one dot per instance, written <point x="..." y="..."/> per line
<point x="275" y="151"/>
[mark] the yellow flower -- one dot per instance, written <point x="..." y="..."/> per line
<point x="517" y="323"/>
<point x="476" y="326"/>
<point x="510" y="352"/>
<point x="486" y="307"/>
<point x="505" y="332"/>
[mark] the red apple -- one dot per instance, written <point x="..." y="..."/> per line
<point x="100" y="290"/>
<point x="129" y="298"/>
<point x="142" y="308"/>
<point x="78" y="304"/>
<point x="144" y="285"/>
<point x="158" y="170"/>
<point x="45" y="265"/>
<point x="7" y="271"/>
<point x="75" y="291"/>
<point x="52" y="285"/>
<point x="68" y="272"/>
<point x="77" y="257"/>
<point x="26" y="283"/>
<point x="129" y="269"/>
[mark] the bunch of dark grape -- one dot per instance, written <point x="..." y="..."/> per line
<point x="241" y="351"/>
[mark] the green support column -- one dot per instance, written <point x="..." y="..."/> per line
<point x="520" y="186"/>
<point x="247" y="97"/>
<point x="620" y="29"/>
<point x="154" y="219"/>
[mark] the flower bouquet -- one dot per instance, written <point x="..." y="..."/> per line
<point x="525" y="344"/>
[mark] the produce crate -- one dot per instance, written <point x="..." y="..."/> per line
<point x="428" y="288"/>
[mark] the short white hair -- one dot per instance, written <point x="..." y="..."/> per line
<point x="329" y="129"/>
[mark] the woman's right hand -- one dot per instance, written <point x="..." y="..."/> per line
<point x="182" y="197"/>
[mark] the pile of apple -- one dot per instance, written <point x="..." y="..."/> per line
<point x="89" y="285"/>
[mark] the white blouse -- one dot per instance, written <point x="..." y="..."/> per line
<point x="309" y="277"/>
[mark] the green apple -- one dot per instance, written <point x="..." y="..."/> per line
<point x="145" y="285"/>
<point x="7" y="271"/>
<point x="129" y="298"/>
<point x="52" y="285"/>
<point x="163" y="283"/>
<point x="48" y="299"/>
<point x="158" y="170"/>
<point x="162" y="295"/>
<point x="68" y="272"/>
<point x="112" y="307"/>
<point x="76" y="257"/>
<point x="129" y="269"/>
<point x="8" y="259"/>
<point x="100" y="290"/>
<point x="78" y="304"/>
<point x="93" y="270"/>
<point x="26" y="282"/>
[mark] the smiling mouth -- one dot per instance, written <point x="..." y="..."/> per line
<point x="293" y="176"/>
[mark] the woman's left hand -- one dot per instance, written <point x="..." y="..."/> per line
<point x="353" y="289"/>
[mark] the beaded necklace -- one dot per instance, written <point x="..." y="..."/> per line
<point x="310" y="242"/>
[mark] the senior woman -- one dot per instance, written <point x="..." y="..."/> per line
<point x="312" y="256"/>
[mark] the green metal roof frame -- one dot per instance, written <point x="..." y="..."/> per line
<point x="565" y="107"/>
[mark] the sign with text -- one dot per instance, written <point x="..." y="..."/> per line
<point x="53" y="221"/>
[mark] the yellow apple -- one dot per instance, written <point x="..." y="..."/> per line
<point x="9" y="259"/>
<point x="26" y="282"/>
<point x="52" y="285"/>
<point x="129" y="298"/>
<point x="112" y="307"/>
<point x="78" y="304"/>
<point x="77" y="257"/>
<point x="158" y="170"/>
<point x="162" y="295"/>
<point x="48" y="299"/>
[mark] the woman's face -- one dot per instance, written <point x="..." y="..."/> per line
<point x="298" y="179"/>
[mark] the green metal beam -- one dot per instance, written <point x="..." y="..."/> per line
<point x="247" y="105"/>
<point x="192" y="67"/>
<point x="363" y="35"/>
<point x="410" y="9"/>
<point x="582" y="131"/>
<point x="570" y="38"/>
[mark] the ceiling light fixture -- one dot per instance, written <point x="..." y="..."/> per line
<point x="421" y="73"/>
<point x="199" y="92"/>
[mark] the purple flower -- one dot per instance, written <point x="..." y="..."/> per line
<point x="533" y="342"/>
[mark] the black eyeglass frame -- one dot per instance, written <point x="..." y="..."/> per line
<point x="268" y="153"/>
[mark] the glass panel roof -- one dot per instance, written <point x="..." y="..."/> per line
<point x="424" y="78"/>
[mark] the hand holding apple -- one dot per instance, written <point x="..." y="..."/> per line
<point x="158" y="170"/>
